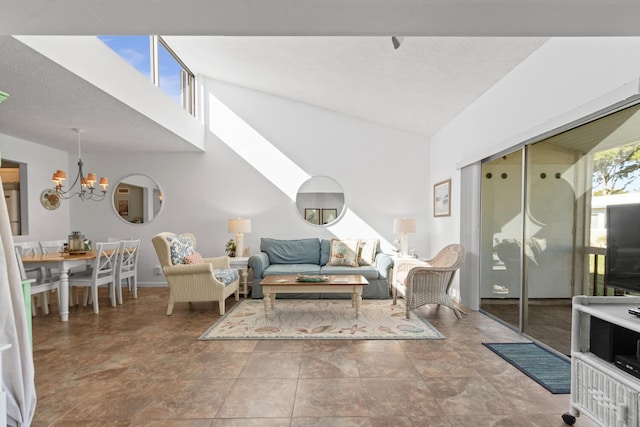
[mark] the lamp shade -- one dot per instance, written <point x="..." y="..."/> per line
<point x="239" y="225"/>
<point x="404" y="225"/>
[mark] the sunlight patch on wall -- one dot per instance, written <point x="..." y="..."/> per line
<point x="255" y="149"/>
<point x="352" y="226"/>
<point x="276" y="167"/>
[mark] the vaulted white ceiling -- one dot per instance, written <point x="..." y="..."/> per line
<point x="419" y="87"/>
<point x="336" y="54"/>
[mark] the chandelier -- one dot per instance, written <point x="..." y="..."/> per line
<point x="87" y="189"/>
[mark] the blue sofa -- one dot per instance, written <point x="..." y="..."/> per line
<point x="310" y="256"/>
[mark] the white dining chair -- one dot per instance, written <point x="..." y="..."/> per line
<point x="51" y="246"/>
<point x="103" y="273"/>
<point x="128" y="267"/>
<point x="40" y="285"/>
<point x="30" y="248"/>
<point x="33" y="248"/>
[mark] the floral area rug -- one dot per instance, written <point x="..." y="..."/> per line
<point x="320" y="319"/>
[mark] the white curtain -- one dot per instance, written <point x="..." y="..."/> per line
<point x="17" y="362"/>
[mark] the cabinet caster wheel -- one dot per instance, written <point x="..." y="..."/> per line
<point x="568" y="418"/>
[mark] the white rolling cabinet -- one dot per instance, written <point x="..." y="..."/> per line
<point x="603" y="392"/>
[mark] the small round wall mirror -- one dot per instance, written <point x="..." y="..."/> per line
<point x="320" y="201"/>
<point x="137" y="199"/>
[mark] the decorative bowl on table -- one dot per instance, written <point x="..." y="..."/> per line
<point x="311" y="278"/>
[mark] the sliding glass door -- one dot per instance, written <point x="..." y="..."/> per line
<point x="549" y="224"/>
<point x="541" y="212"/>
<point x="501" y="234"/>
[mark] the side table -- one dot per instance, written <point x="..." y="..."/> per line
<point x="242" y="265"/>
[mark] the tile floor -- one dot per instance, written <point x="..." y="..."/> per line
<point x="134" y="366"/>
<point x="549" y="321"/>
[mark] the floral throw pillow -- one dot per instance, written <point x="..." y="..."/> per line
<point x="196" y="258"/>
<point x="367" y="255"/>
<point x="344" y="253"/>
<point x="180" y="246"/>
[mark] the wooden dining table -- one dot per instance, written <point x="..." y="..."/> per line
<point x="63" y="262"/>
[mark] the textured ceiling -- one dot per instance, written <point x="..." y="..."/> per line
<point x="418" y="87"/>
<point x="46" y="101"/>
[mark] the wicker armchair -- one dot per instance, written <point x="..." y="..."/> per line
<point x="428" y="282"/>
<point x="193" y="282"/>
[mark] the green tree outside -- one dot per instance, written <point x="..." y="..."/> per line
<point x="616" y="169"/>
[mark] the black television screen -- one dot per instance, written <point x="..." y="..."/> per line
<point x="622" y="265"/>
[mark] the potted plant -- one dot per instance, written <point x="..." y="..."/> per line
<point x="230" y="248"/>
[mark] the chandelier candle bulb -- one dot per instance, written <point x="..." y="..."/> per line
<point x="60" y="175"/>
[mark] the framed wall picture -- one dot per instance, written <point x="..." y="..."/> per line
<point x="123" y="208"/>
<point x="442" y="198"/>
<point x="329" y="215"/>
<point x="312" y="216"/>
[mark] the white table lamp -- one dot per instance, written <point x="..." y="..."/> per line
<point x="404" y="226"/>
<point x="239" y="226"/>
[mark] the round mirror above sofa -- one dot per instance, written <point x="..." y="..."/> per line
<point x="137" y="199"/>
<point x="320" y="201"/>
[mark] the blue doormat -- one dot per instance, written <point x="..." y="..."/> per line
<point x="551" y="371"/>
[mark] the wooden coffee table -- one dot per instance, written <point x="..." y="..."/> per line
<point x="351" y="284"/>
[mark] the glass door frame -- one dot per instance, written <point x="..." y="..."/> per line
<point x="580" y="218"/>
<point x="520" y="271"/>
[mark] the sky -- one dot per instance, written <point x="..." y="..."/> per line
<point x="136" y="51"/>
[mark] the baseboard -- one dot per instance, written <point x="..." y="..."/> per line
<point x="152" y="285"/>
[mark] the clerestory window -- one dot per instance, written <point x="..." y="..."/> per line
<point x="152" y="57"/>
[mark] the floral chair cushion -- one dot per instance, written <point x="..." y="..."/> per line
<point x="226" y="275"/>
<point x="180" y="246"/>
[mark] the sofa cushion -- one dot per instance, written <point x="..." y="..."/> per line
<point x="284" y="269"/>
<point x="325" y="250"/>
<point x="226" y="275"/>
<point x="367" y="252"/>
<point x="196" y="258"/>
<point x="344" y="253"/>
<point x="180" y="246"/>
<point x="302" y="251"/>
<point x="368" y="272"/>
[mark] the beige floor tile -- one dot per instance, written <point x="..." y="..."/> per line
<point x="263" y="397"/>
<point x="332" y="397"/>
<point x="133" y="365"/>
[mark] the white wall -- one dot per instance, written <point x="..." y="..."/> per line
<point x="561" y="76"/>
<point x="41" y="162"/>
<point x="201" y="191"/>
